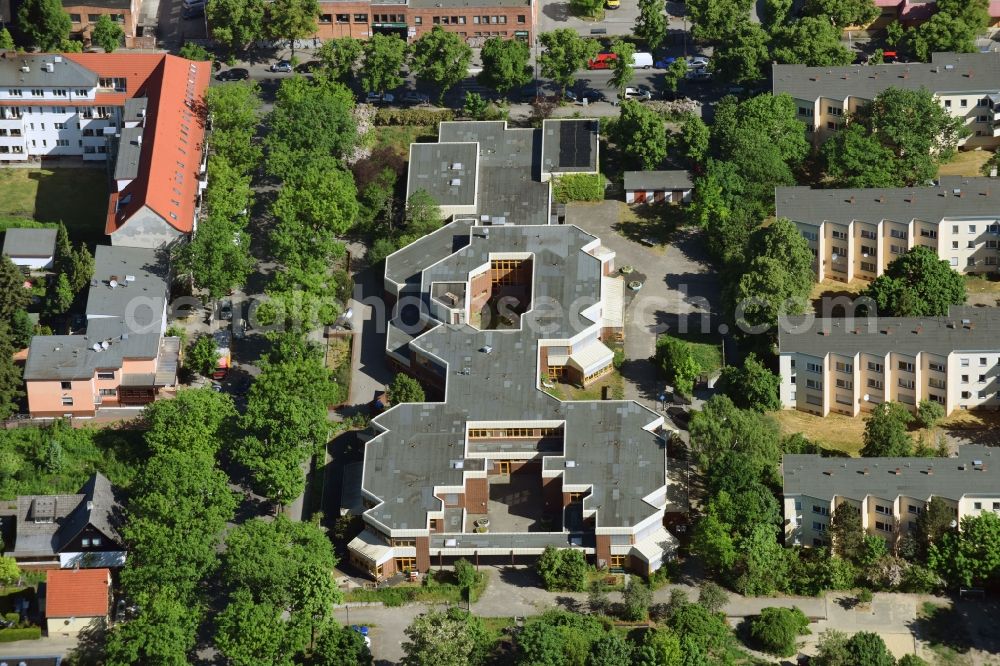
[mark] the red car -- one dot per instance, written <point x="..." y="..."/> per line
<point x="602" y="61"/>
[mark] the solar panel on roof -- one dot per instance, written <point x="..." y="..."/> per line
<point x="574" y="144"/>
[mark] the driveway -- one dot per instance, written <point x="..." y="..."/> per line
<point x="680" y="291"/>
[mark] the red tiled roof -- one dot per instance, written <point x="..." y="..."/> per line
<point x="77" y="592"/>
<point x="174" y="134"/>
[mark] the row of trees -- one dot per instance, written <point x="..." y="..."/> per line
<point x="44" y="24"/>
<point x="218" y="256"/>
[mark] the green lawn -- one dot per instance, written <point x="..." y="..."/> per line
<point x="77" y="197"/>
<point x="399" y="137"/>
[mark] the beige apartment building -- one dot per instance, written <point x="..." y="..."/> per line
<point x="966" y="84"/>
<point x="855" y="233"/>
<point x="890" y="493"/>
<point x="850" y="365"/>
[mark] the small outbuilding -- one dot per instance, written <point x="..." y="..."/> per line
<point x="658" y="186"/>
<point x="34" y="249"/>
<point x="77" y="599"/>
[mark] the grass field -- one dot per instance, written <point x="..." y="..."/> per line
<point x="77" y="197"/>
<point x="832" y="432"/>
<point x="399" y="138"/>
<point x="965" y="163"/>
<point x="614" y="380"/>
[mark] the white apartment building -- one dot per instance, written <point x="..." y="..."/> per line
<point x="856" y="233"/>
<point x="890" y="493"/>
<point x="849" y="365"/>
<point x="966" y="84"/>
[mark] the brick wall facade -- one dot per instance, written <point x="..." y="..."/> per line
<point x="474" y="24"/>
<point x="423" y="554"/>
<point x="84" y="17"/>
<point x="602" y="549"/>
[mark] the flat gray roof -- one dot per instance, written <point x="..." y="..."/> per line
<point x="129" y="150"/>
<point x="919" y="478"/>
<point x="658" y="180"/>
<point x="569" y="146"/>
<point x="65" y="72"/>
<point x="952" y="197"/>
<point x="404" y="265"/>
<point x="605" y="445"/>
<point x="965" y="329"/>
<point x="135" y="109"/>
<point x="19" y="242"/>
<point x="446" y="171"/>
<point x="126" y="318"/>
<point x="946" y="73"/>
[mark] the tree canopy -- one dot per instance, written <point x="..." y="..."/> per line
<point x="777" y="629"/>
<point x="641" y="134"/>
<point x="622" y="70"/>
<point x="406" y="389"/>
<point x="565" y="54"/>
<point x="236" y="23"/>
<point x="716" y="20"/>
<point x="453" y="637"/>
<point x="384" y="57"/>
<point x="562" y="569"/>
<point x="505" y="64"/>
<point x="813" y="41"/>
<point x="440" y="58"/>
<point x="340" y="56"/>
<point x="969" y="557"/>
<point x="107" y="34"/>
<point x="843" y="12"/>
<point x="651" y="23"/>
<point x="917" y="284"/>
<point x="751" y="387"/>
<point x="742" y="55"/>
<point x="44" y="24"/>
<point x="885" y="432"/>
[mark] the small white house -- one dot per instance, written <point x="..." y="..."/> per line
<point x="34" y="249"/>
<point x="655" y="186"/>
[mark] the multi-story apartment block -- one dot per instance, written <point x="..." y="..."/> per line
<point x="966" y="84"/>
<point x="143" y="111"/>
<point x="849" y="365"/>
<point x="124" y="358"/>
<point x="890" y="493"/>
<point x="856" y="233"/>
<point x="84" y="15"/>
<point x="503" y="303"/>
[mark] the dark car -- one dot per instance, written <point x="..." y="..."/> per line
<point x="226" y="311"/>
<point x="281" y="66"/>
<point x="234" y="74"/>
<point x="193" y="12"/>
<point x="309" y="66"/>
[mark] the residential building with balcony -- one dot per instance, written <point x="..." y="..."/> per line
<point x="142" y="111"/>
<point x="850" y="365"/>
<point x="967" y="85"/>
<point x="857" y="233"/>
<point x="490" y="311"/>
<point x="124" y="358"/>
<point x="890" y="493"/>
<point x="473" y="21"/>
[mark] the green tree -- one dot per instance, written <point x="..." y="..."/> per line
<point x="676" y="361"/>
<point x="777" y="629"/>
<point x="761" y="571"/>
<point x="445" y="638"/>
<point x="440" y="58"/>
<point x="107" y="34"/>
<point x="636" y="599"/>
<point x="218" y="256"/>
<point x="885" y="432"/>
<point x="912" y="660"/>
<point x="611" y="649"/>
<point x="505" y="64"/>
<point x="6" y="41"/>
<point x="406" y="389"/>
<point x="843" y="12"/>
<point x="10" y="573"/>
<point x="164" y="632"/>
<point x="323" y="105"/>
<point x="422" y="214"/>
<point x="11" y="384"/>
<point x="869" y="649"/>
<point x="82" y="268"/>
<point x="693" y="140"/>
<point x="775" y="14"/>
<point x="195" y="52"/>
<point x="751" y="387"/>
<point x="21" y="329"/>
<point x="340" y="56"/>
<point x="721" y="427"/>
<point x="565" y="54"/>
<point x="562" y="569"/>
<point x="936" y="520"/>
<point x="969" y="557"/>
<point x="597" y="597"/>
<point x="44" y="24"/>
<point x="622" y="70"/>
<point x="292" y="20"/>
<point x="651" y="24"/>
<point x="475" y="106"/>
<point x="465" y="574"/>
<point x="235" y="110"/>
<point x="704" y="636"/>
<point x="908" y="124"/>
<point x="320" y="196"/>
<point x="713" y="541"/>
<point x="236" y="23"/>
<point x="202" y="355"/>
<point x="340" y="646"/>
<point x="197" y="419"/>
<point x="743" y="55"/>
<point x="716" y="20"/>
<point x="712" y="597"/>
<point x="942" y="32"/>
<point x="847" y="533"/>
<point x="917" y="284"/>
<point x="660" y="647"/>
<point x="640" y="133"/>
<point x="585" y="8"/>
<point x="676" y="71"/>
<point x="59" y="297"/>
<point x="811" y="41"/>
<point x="384" y="57"/>
<point x="929" y="413"/>
<point x="250" y="633"/>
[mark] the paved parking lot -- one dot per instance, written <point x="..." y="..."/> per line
<point x="171" y="30"/>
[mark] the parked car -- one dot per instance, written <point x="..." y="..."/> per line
<point x="380" y="98"/>
<point x="602" y="61"/>
<point x="642" y="60"/>
<point x="414" y="97"/>
<point x="664" y="63"/>
<point x="193" y="12"/>
<point x="281" y="66"/>
<point x="641" y="93"/>
<point x="697" y="62"/>
<point x="699" y="75"/>
<point x="226" y="311"/>
<point x="612" y="4"/>
<point x="234" y="74"/>
<point x="308" y="66"/>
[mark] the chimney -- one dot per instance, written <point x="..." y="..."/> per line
<point x="866" y="471"/>
<point x="851" y="200"/>
<point x="898" y="471"/>
<point x="880" y="198"/>
<point x="918" y="330"/>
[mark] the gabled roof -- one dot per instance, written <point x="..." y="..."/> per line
<point x="658" y="180"/>
<point x="77" y="593"/>
<point x="65" y="72"/>
<point x="29" y="242"/>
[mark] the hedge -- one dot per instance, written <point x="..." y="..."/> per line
<point x="385" y="117"/>
<point x="24" y="223"/>
<point x="25" y="634"/>
<point x="579" y="187"/>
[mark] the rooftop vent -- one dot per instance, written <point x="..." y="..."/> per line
<point x="570" y="463"/>
<point x="957" y="191"/>
<point x="486" y="349"/>
<point x="49" y="67"/>
<point x="949" y="67"/>
<point x="25" y="69"/>
<point x="455" y="182"/>
<point x="456" y="166"/>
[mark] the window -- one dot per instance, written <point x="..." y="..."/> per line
<point x="936" y="383"/>
<point x="972" y="228"/>
<point x="846" y="384"/>
<point x="819" y="527"/>
<point x="66" y="386"/>
<point x="965" y="379"/>
<point x="74" y="18"/>
<point x="503" y="20"/>
<point x="814" y="367"/>
<point x="809" y="235"/>
<point x="991" y="245"/>
<point x="966" y="395"/>
<point x="363" y="18"/>
<point x="343" y="18"/>
<point x="821" y="510"/>
<point x="59" y="92"/>
<point x="15" y="92"/>
<point x="798" y="505"/>
<point x="977" y="505"/>
<point x="936" y="367"/>
<point x="37" y="92"/>
<point x="81" y="92"/>
<point x="325" y="18"/>
<point x="983" y="395"/>
<point x="965" y="362"/>
<point x="86" y="543"/>
<point x="947" y="104"/>
<point x="521" y="19"/>
<point x="867" y="250"/>
<point x="108" y="393"/>
<point x="991" y="261"/>
<point x="67" y="402"/>
<point x="460" y="19"/>
<point x="996" y="506"/>
<point x="906" y="383"/>
<point x="436" y="20"/>
<point x="475" y="20"/>
<point x="93" y="18"/>
<point x="839" y="235"/>
<point x="870" y="235"/>
<point x="905" y="366"/>
<point x="96" y="541"/>
<point x="982" y="361"/>
<point x="883" y="509"/>
<point x="844" y="367"/>
<point x="982" y="379"/>
<point x="418" y="20"/>
<point x="814" y="384"/>
<point x="834" y="110"/>
<point x="964" y="103"/>
<point x="897" y="249"/>
<point x="982" y="119"/>
<point x="954" y="245"/>
<point x="883" y="527"/>
<point x="875" y="384"/>
<point x="868" y="266"/>
<point x="915" y="510"/>
<point x="874" y="367"/>
<point x="62" y="142"/>
<point x="898" y="233"/>
<point x="928" y="233"/>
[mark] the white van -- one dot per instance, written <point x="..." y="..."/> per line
<point x="642" y="60"/>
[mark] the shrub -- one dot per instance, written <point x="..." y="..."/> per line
<point x="23" y="634"/>
<point x="579" y="187"/>
<point x="202" y="356"/>
<point x="865" y="596"/>
<point x="635" y="600"/>
<point x="389" y="116"/>
<point x="929" y="413"/>
<point x="776" y="629"/>
<point x="563" y="569"/>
